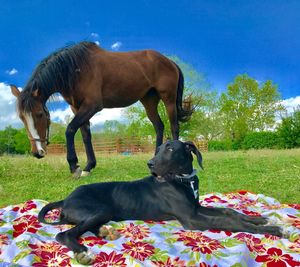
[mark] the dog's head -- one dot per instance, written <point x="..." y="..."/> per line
<point x="173" y="158"/>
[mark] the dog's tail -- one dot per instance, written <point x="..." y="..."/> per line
<point x="48" y="207"/>
<point x="184" y="113"/>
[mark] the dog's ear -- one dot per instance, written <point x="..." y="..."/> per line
<point x="190" y="146"/>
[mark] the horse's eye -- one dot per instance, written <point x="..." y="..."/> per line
<point x="40" y="114"/>
<point x="170" y="149"/>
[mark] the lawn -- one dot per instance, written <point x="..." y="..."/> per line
<point x="275" y="173"/>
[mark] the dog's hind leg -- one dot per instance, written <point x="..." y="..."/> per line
<point x="70" y="237"/>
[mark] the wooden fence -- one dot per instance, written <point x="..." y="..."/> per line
<point x="118" y="145"/>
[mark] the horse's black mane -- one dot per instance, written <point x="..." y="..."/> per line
<point x="56" y="73"/>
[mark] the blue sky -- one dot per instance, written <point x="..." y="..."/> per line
<point x="219" y="38"/>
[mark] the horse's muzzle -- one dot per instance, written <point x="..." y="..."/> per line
<point x="37" y="155"/>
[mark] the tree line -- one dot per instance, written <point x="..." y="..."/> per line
<point x="247" y="115"/>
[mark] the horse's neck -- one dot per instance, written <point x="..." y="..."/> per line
<point x="47" y="95"/>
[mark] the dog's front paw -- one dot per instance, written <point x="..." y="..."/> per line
<point x="85" y="258"/>
<point x="109" y="233"/>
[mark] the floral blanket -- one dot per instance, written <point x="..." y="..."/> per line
<point x="26" y="242"/>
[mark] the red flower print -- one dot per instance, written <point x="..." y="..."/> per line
<point x="171" y="263"/>
<point x="53" y="215"/>
<point x="50" y="247"/>
<point x="3" y="241"/>
<point x="293" y="220"/>
<point x="238" y="206"/>
<point x="295" y="246"/>
<point x="138" y="250"/>
<point x="135" y="231"/>
<point x="203" y="264"/>
<point x="29" y="205"/>
<point x="251" y="213"/>
<point x="205" y="246"/>
<point x="295" y="206"/>
<point x="242" y="197"/>
<point x="272" y="237"/>
<point x="108" y="260"/>
<point x="53" y="260"/>
<point x="50" y="254"/>
<point x="27" y="223"/>
<point x="214" y="199"/>
<point x="228" y="233"/>
<point x="253" y="243"/>
<point x="271" y="207"/>
<point x="275" y="258"/>
<point x="92" y="241"/>
<point x="199" y="242"/>
<point x="188" y="235"/>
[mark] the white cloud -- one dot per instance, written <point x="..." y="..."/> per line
<point x="13" y="71"/>
<point x="94" y="35"/>
<point x="97" y="43"/>
<point x="61" y="115"/>
<point x="116" y="46"/>
<point x="8" y="114"/>
<point x="291" y="103"/>
<point x="64" y="116"/>
<point x="107" y="114"/>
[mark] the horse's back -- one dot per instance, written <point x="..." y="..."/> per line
<point x="125" y="77"/>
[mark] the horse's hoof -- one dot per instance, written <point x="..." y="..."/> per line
<point x="84" y="258"/>
<point x="85" y="173"/>
<point x="77" y="173"/>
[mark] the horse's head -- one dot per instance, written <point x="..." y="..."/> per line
<point x="35" y="117"/>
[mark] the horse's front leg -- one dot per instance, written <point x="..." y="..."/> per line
<point x="82" y="116"/>
<point x="87" y="140"/>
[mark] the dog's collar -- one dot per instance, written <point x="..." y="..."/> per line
<point x="190" y="178"/>
<point x="186" y="176"/>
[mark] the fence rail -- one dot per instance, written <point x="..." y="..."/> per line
<point x="118" y="145"/>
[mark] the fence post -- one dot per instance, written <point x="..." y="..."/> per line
<point x="118" y="145"/>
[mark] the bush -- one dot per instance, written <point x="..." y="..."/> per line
<point x="223" y="145"/>
<point x="258" y="140"/>
<point x="289" y="131"/>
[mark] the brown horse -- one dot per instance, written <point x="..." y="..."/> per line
<point x="90" y="79"/>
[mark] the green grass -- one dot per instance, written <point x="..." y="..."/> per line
<point x="275" y="173"/>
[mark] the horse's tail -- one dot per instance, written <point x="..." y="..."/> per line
<point x="183" y="113"/>
<point x="48" y="207"/>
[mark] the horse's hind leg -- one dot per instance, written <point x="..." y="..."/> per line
<point x="172" y="113"/>
<point x="150" y="102"/>
<point x="170" y="104"/>
<point x="87" y="140"/>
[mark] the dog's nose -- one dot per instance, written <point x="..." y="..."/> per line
<point x="150" y="163"/>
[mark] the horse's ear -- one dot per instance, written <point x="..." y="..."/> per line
<point x="35" y="93"/>
<point x="190" y="146"/>
<point x="14" y="90"/>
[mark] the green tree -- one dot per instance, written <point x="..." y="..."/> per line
<point x="289" y="130"/>
<point x="205" y="101"/>
<point x="57" y="133"/>
<point x="22" y="144"/>
<point x="248" y="106"/>
<point x="206" y="120"/>
<point x="7" y="143"/>
<point x="113" y="128"/>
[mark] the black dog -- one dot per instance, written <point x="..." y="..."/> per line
<point x="171" y="192"/>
